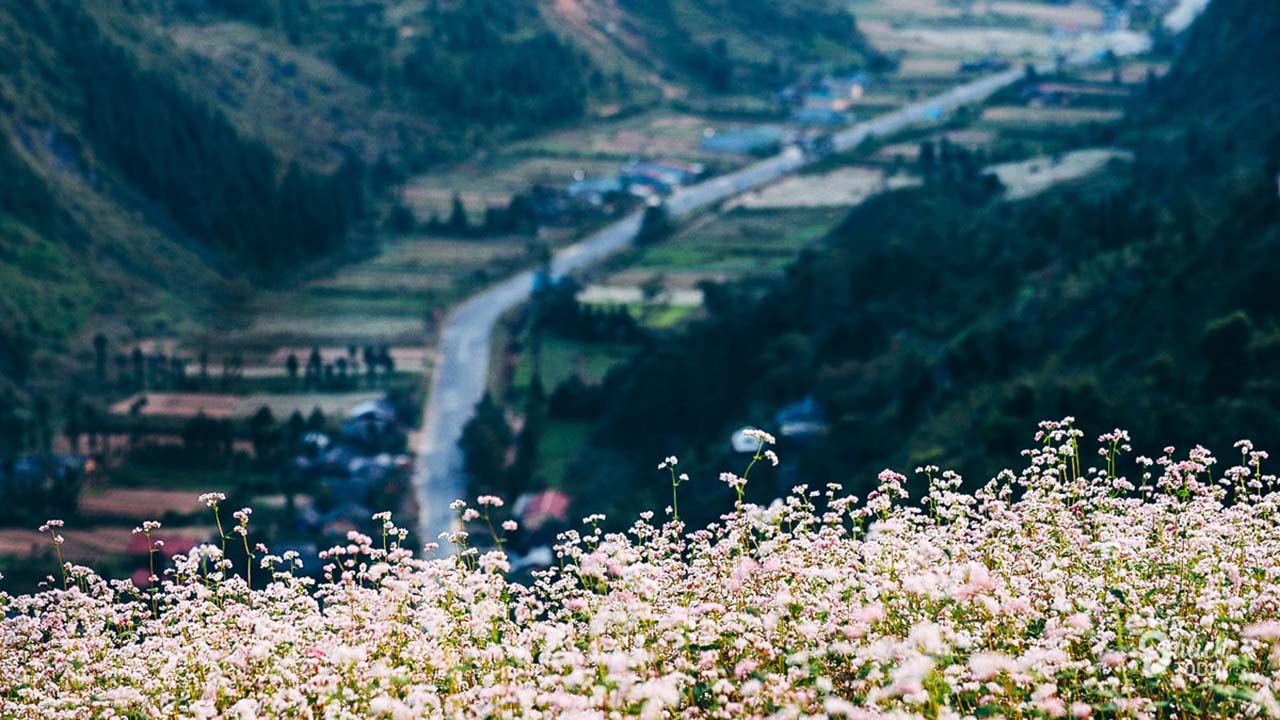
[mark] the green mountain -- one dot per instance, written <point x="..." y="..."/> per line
<point x="939" y="324"/>
<point x="162" y="156"/>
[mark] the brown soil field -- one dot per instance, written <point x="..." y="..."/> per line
<point x="88" y="544"/>
<point x="186" y="405"/>
<point x="1019" y="115"/>
<point x="137" y="503"/>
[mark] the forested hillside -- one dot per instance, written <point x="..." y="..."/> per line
<point x="128" y="196"/>
<point x="939" y="322"/>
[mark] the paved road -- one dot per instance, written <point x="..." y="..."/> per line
<point x="458" y="381"/>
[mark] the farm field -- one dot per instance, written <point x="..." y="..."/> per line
<point x="557" y="158"/>
<point x="138" y="503"/>
<point x="842" y="187"/>
<point x="86" y="544"/>
<point x="654" y="133"/>
<point x="1004" y="116"/>
<point x="386" y="299"/>
<point x="1077" y="15"/>
<point x="742" y="241"/>
<point x="909" y="152"/>
<point x="634" y="295"/>
<point x="1027" y="178"/>
<point x="562" y="359"/>
<point x="220" y="406"/>
<point x="493" y="182"/>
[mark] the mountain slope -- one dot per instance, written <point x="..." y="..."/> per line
<point x="716" y="45"/>
<point x="133" y="193"/>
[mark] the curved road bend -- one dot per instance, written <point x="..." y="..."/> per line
<point x="461" y="372"/>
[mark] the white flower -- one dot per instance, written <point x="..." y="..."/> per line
<point x="759" y="436"/>
<point x="988" y="665"/>
<point x="732" y="480"/>
<point x="212" y="499"/>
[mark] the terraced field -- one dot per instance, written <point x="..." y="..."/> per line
<point x="390" y="298"/>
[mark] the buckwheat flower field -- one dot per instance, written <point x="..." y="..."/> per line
<point x="1138" y="588"/>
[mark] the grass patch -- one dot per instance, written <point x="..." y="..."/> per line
<point x="742" y="241"/>
<point x="562" y="359"/>
<point x="41" y="281"/>
<point x="557" y="447"/>
<point x="197" y="480"/>
<point x="661" y="317"/>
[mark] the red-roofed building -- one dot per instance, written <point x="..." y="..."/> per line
<point x="537" y="510"/>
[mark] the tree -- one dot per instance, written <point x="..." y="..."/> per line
<point x="71" y="420"/>
<point x="200" y="437"/>
<point x="651" y="291"/>
<point x="535" y="420"/>
<point x="401" y="220"/>
<point x="1225" y="345"/>
<point x="315" y="366"/>
<point x="263" y="434"/>
<point x="720" y="72"/>
<point x="296" y="427"/>
<point x="17" y="349"/>
<point x="291" y="366"/>
<point x="42" y="418"/>
<point x="485" y="442"/>
<point x="316" y="420"/>
<point x="927" y="158"/>
<point x="219" y="186"/>
<point x="139" y="368"/>
<point x="13" y="425"/>
<point x="100" y="356"/>
<point x="177" y="372"/>
<point x="458" y="223"/>
<point x="370" y="363"/>
<point x="655" y="226"/>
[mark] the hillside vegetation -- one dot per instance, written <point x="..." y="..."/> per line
<point x="938" y="320"/>
<point x="736" y="45"/>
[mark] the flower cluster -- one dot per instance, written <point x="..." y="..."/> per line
<point x="1060" y="591"/>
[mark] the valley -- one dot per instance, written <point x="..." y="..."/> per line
<point x="291" y="358"/>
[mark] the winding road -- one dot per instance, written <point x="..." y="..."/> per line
<point x="460" y="375"/>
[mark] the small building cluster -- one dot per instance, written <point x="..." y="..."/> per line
<point x="364" y="467"/>
<point x="541" y="516"/>
<point x="35" y="485"/>
<point x="827" y="101"/>
<point x="638" y="179"/>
